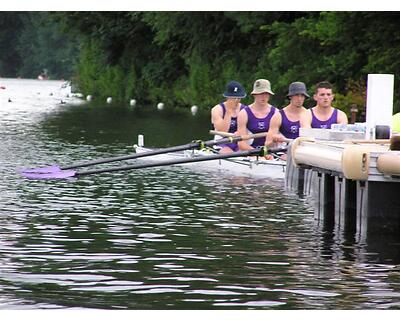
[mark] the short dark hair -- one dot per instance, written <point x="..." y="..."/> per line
<point x="323" y="84"/>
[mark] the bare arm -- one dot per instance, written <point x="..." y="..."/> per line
<point x="306" y="119"/>
<point x="342" y="117"/>
<point x="242" y="130"/>
<point x="274" y="126"/>
<point x="220" y="124"/>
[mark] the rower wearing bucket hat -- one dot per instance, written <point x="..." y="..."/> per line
<point x="286" y="123"/>
<point x="224" y="115"/>
<point x="257" y="116"/>
<point x="323" y="115"/>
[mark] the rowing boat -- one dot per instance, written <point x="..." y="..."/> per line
<point x="246" y="166"/>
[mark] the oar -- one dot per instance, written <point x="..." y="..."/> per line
<point x="193" y="145"/>
<point x="71" y="173"/>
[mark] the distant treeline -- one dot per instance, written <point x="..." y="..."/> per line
<point x="31" y="42"/>
<point x="186" y="58"/>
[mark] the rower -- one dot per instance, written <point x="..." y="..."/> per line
<point x="323" y="115"/>
<point x="285" y="124"/>
<point x="257" y="116"/>
<point x="224" y="114"/>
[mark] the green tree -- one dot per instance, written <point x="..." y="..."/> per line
<point x="42" y="46"/>
<point x="11" y="25"/>
<point x="187" y="57"/>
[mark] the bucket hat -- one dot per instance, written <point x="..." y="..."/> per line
<point x="297" y="88"/>
<point x="234" y="90"/>
<point x="262" y="86"/>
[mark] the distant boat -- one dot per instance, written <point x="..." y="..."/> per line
<point x="43" y="76"/>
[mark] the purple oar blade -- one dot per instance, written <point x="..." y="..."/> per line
<point x="61" y="174"/>
<point x="49" y="169"/>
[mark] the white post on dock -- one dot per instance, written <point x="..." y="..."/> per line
<point x="140" y="140"/>
<point x="380" y="88"/>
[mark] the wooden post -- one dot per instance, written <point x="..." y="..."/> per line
<point x="353" y="111"/>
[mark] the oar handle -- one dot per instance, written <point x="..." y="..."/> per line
<point x="222" y="133"/>
<point x="252" y="136"/>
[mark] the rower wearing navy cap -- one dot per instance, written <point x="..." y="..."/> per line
<point x="224" y="115"/>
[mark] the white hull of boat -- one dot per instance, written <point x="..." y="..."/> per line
<point x="245" y="166"/>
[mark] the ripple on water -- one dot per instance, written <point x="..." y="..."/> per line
<point x="261" y="303"/>
<point x="163" y="237"/>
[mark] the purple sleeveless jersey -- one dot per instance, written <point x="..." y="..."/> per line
<point x="256" y="125"/>
<point x="316" y="123"/>
<point x="290" y="129"/>
<point x="232" y="127"/>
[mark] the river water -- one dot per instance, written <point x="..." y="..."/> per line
<point x="161" y="238"/>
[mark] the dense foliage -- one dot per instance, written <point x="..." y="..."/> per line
<point x="185" y="58"/>
<point x="31" y="42"/>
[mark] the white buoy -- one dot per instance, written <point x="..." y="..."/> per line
<point x="194" y="110"/>
<point x="109" y="100"/>
<point x="89" y="98"/>
<point x="140" y="140"/>
<point x="132" y="102"/>
<point x="160" y="106"/>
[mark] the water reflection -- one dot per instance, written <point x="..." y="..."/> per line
<point x="344" y="244"/>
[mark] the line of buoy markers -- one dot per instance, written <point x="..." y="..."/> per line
<point x="160" y="106"/>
